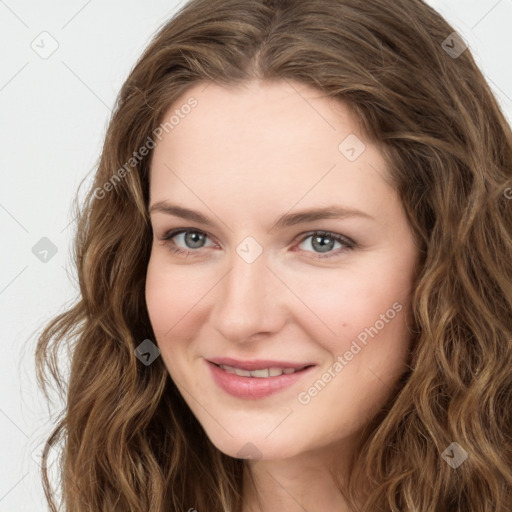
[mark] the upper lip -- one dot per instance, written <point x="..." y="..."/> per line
<point x="257" y="364"/>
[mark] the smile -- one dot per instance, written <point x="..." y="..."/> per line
<point x="260" y="374"/>
<point x="255" y="384"/>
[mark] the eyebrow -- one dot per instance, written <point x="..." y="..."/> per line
<point x="286" y="220"/>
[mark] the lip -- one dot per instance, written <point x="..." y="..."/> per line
<point x="254" y="388"/>
<point x="257" y="364"/>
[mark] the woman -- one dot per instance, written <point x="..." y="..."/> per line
<point x="294" y="267"/>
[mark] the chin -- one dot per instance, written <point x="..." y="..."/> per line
<point x="255" y="446"/>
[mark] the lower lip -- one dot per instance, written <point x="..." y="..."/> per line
<point x="253" y="388"/>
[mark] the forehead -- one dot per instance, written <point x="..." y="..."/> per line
<point x="266" y="142"/>
<point x="288" y="117"/>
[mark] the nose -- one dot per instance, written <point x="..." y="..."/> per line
<point x="250" y="301"/>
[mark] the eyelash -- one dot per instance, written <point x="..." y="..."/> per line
<point x="169" y="235"/>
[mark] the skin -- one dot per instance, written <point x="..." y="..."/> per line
<point x="244" y="157"/>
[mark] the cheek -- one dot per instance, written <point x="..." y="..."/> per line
<point x="362" y="316"/>
<point x="341" y="305"/>
<point x="366" y="357"/>
<point x="168" y="301"/>
<point x="159" y="298"/>
<point x="170" y="296"/>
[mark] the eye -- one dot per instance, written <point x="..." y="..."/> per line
<point x="322" y="241"/>
<point x="193" y="237"/>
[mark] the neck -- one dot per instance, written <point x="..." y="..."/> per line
<point x="295" y="484"/>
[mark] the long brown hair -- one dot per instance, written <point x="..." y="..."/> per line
<point x="130" y="443"/>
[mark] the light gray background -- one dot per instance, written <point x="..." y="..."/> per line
<point x="54" y="110"/>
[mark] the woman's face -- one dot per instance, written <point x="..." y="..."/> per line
<point x="257" y="287"/>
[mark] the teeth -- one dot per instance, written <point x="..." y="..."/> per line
<point x="242" y="373"/>
<point x="262" y="374"/>
<point x="259" y="373"/>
